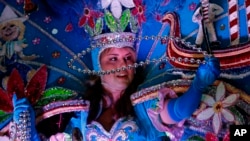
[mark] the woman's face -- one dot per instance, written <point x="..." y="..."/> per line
<point x="114" y="58"/>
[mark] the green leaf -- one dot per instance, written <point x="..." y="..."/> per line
<point x="4" y="116"/>
<point x="134" y="24"/>
<point x="110" y="21"/>
<point x="89" y="30"/>
<point x="55" y="94"/>
<point x="124" y="20"/>
<point x="238" y="116"/>
<point x="98" y="26"/>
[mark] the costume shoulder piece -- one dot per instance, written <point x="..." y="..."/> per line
<point x="222" y="105"/>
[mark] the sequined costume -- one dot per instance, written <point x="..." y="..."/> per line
<point x="144" y="126"/>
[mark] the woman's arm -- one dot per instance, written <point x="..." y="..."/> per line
<point x="182" y="107"/>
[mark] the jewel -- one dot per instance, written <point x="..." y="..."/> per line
<point x="124" y="19"/>
<point x="110" y="21"/>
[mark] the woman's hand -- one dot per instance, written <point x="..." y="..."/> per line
<point x="207" y="73"/>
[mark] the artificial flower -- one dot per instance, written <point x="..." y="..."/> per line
<point x="217" y="108"/>
<point x="88" y="17"/>
<point x="15" y="85"/>
<point x="116" y="6"/>
<point x="213" y="137"/>
<point x="139" y="11"/>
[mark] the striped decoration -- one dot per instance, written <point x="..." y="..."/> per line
<point x="205" y="10"/>
<point x="233" y="21"/>
<point x="247" y="5"/>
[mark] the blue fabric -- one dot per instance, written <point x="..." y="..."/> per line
<point x="21" y="105"/>
<point x="183" y="107"/>
<point x="138" y="128"/>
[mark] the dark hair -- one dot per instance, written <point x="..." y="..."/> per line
<point x="123" y="106"/>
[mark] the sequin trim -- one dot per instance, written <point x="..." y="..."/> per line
<point x="55" y="108"/>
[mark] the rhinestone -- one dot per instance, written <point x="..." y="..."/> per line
<point x="173" y="59"/>
<point x="108" y="72"/>
<point x="147" y="62"/>
<point x="85" y="71"/>
<point x="185" y="59"/>
<point x="89" y="71"/>
<point x="112" y="71"/>
<point x="130" y="66"/>
<point x="124" y="68"/>
<point x="188" y="43"/>
<point x="135" y="65"/>
<point x="154" y="60"/>
<point x="198" y="61"/>
<point x="141" y="63"/>
<point x="83" y="52"/>
<point x="192" y="60"/>
<point x="153" y="37"/>
<point x="88" y="49"/>
<point x="103" y="73"/>
<point x="79" y="55"/>
<point x="199" y="49"/>
<point x="99" y="73"/>
<point x="183" y="41"/>
<point x="179" y="59"/>
<point x="177" y="39"/>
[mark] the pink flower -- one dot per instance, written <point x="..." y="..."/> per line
<point x="88" y="17"/>
<point x="192" y="6"/>
<point x="217" y="108"/>
<point x="36" y="41"/>
<point x="139" y="11"/>
<point x="47" y="19"/>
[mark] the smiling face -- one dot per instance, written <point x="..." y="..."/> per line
<point x="114" y="58"/>
<point x="9" y="31"/>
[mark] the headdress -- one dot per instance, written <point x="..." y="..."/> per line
<point x="117" y="26"/>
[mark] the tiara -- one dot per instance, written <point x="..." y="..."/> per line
<point x="118" y="28"/>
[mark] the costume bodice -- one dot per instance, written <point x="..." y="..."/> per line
<point x="124" y="129"/>
<point x="144" y="126"/>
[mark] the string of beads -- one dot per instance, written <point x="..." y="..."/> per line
<point x="141" y="63"/>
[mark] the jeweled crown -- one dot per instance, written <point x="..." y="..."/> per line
<point x="115" y="25"/>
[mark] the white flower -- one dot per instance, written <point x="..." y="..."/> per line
<point x="217" y="107"/>
<point x="116" y="6"/>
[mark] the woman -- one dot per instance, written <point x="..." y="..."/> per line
<point x="114" y="113"/>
